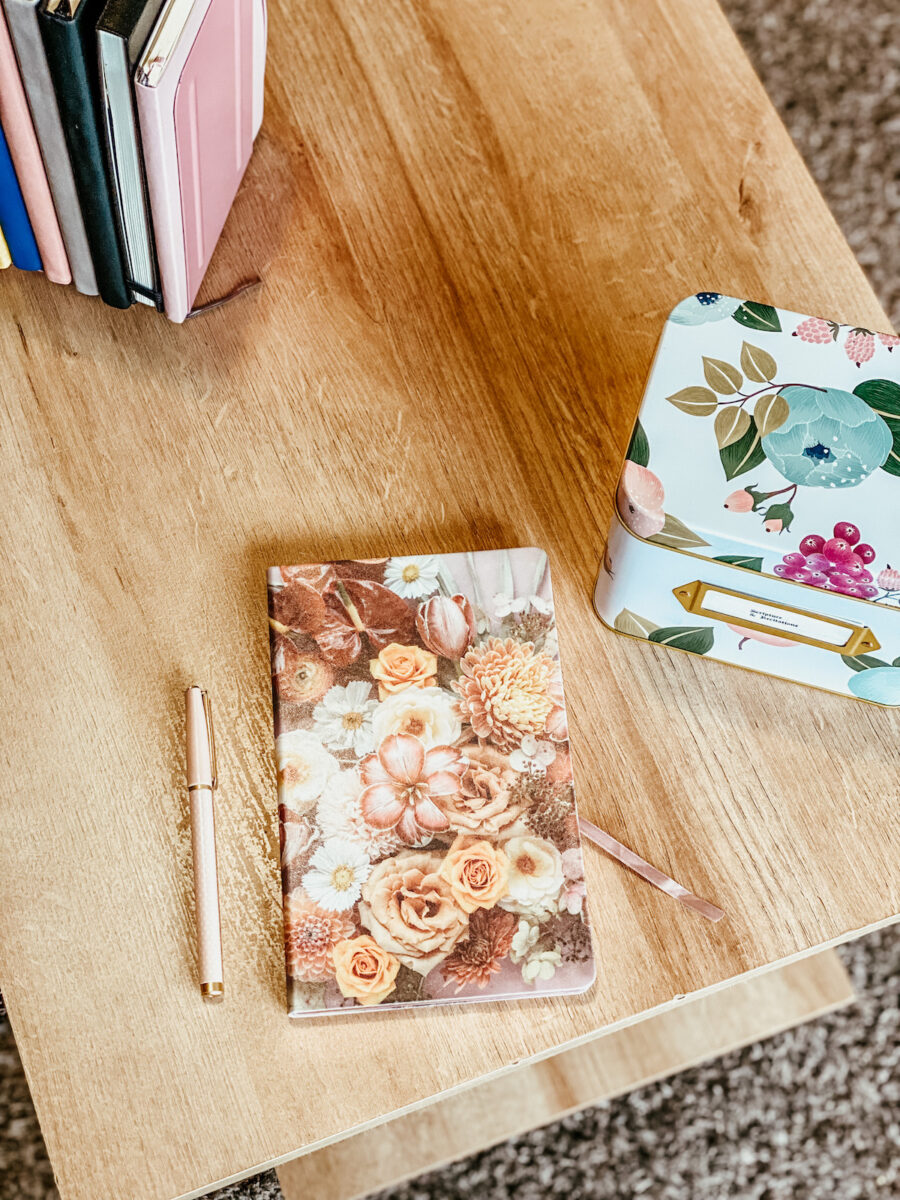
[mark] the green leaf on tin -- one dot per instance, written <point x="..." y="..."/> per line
<point x="883" y="397"/>
<point x="757" y="364"/>
<point x="744" y="454"/>
<point x="757" y="316"/>
<point x="731" y="424"/>
<point x="639" y="447"/>
<point x="721" y="376"/>
<point x="770" y="413"/>
<point x="698" y="639"/>
<point x="740" y="560"/>
<point x="676" y="534"/>
<point x="863" y="662"/>
<point x="631" y="623"/>
<point x="697" y="401"/>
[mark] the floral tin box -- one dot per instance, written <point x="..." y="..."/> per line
<point x="430" y="850"/>
<point x="758" y="510"/>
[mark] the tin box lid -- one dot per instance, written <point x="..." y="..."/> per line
<point x="770" y="440"/>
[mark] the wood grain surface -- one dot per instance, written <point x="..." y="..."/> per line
<point x="471" y="219"/>
<point x="487" y="1113"/>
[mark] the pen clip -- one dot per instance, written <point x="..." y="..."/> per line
<point x="207" y="715"/>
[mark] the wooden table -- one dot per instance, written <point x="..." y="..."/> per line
<point x="471" y="219"/>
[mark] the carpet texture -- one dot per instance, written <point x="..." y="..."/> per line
<point x="815" y="1113"/>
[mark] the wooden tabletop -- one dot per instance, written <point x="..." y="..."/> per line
<point x="471" y="219"/>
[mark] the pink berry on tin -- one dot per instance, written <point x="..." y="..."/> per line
<point x="837" y="550"/>
<point x="848" y="531"/>
<point x="795" y="559"/>
<point x="800" y="574"/>
<point x="859" y="346"/>
<point x="817" y="579"/>
<point x="812" y="543"/>
<point x="864" y="576"/>
<point x="865" y="552"/>
<point x="818" y="562"/>
<point x="868" y="591"/>
<point x="814" y="330"/>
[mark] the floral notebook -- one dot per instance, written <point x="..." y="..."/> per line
<point x="429" y="841"/>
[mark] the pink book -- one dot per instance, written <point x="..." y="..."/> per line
<point x="25" y="152"/>
<point x="199" y="98"/>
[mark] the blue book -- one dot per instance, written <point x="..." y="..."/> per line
<point x="14" y="217"/>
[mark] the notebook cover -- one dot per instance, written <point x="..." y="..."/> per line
<point x="13" y="215"/>
<point x="128" y="23"/>
<point x="189" y="115"/>
<point x="25" y="31"/>
<point x="26" y="157"/>
<point x="71" y="49"/>
<point x="430" y="851"/>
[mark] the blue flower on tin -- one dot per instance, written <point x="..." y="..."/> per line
<point x="831" y="438"/>
<point x="703" y="308"/>
<point x="879" y="684"/>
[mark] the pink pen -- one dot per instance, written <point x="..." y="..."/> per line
<point x="201" y="781"/>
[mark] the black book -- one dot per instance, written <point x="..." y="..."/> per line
<point x="122" y="33"/>
<point x="69" y="29"/>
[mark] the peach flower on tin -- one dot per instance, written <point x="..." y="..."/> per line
<point x="639" y="499"/>
<point x="757" y="635"/>
<point x="508" y="690"/>
<point x="400" y="667"/>
<point x="404" y="786"/>
<point x="410" y="910"/>
<point x="477" y="872"/>
<point x="446" y="625"/>
<point x="484" y="803"/>
<point x="364" y="971"/>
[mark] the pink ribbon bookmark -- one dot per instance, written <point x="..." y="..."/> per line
<point x="653" y="875"/>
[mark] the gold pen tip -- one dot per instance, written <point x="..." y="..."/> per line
<point x="212" y="993"/>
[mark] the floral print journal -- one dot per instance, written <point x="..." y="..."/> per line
<point x="430" y="851"/>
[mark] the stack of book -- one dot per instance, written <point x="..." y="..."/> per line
<point x="125" y="130"/>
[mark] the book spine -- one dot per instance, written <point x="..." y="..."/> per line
<point x="14" y="217"/>
<point x="26" y="156"/>
<point x="73" y="70"/>
<point x="25" y="31"/>
<point x="157" y="129"/>
<point x="125" y="165"/>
